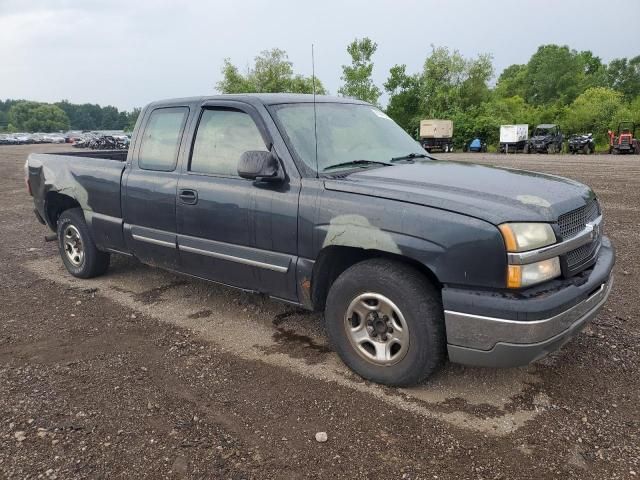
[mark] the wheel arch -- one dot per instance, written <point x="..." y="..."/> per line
<point x="54" y="204"/>
<point x="333" y="260"/>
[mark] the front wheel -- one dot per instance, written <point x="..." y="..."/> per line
<point x="385" y="320"/>
<point x="79" y="253"/>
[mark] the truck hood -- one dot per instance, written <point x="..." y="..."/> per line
<point x="492" y="194"/>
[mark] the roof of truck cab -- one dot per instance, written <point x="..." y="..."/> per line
<point x="261" y="98"/>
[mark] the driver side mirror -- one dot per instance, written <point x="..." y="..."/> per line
<point x="260" y="166"/>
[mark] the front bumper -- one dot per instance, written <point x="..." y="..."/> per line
<point x="493" y="330"/>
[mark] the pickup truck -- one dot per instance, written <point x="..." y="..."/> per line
<point x="330" y="205"/>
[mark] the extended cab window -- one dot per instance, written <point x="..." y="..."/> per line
<point x="223" y="136"/>
<point x="161" y="139"/>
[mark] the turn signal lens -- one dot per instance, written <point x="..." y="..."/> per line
<point x="519" y="276"/>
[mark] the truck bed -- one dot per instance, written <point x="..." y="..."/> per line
<point x="92" y="180"/>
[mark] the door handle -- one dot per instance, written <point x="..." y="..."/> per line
<point x="188" y="196"/>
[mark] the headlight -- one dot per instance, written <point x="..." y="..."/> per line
<point x="526" y="275"/>
<point x="520" y="237"/>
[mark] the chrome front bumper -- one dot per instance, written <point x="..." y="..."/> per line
<point x="496" y="342"/>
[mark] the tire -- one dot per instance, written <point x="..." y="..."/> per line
<point x="79" y="253"/>
<point x="415" y="336"/>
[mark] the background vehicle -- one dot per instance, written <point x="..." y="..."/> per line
<point x="476" y="145"/>
<point x="436" y="135"/>
<point x="625" y="140"/>
<point x="546" y="138"/>
<point x="412" y="259"/>
<point x="581" y="144"/>
<point x="513" y="138"/>
<point x="7" y="139"/>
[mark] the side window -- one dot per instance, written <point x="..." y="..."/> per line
<point x="161" y="139"/>
<point x="222" y="137"/>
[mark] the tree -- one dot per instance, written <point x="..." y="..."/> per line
<point x="451" y="83"/>
<point x="623" y="75"/>
<point x="404" y="98"/>
<point x="447" y="86"/>
<point x="474" y="88"/>
<point x="271" y="73"/>
<point x="553" y="73"/>
<point x="442" y="76"/>
<point x="357" y="76"/>
<point x="511" y="82"/>
<point x="132" y="118"/>
<point x="595" y="111"/>
<point x="37" y="117"/>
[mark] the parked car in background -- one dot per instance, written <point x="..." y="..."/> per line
<point x="546" y="138"/>
<point x="72" y="135"/>
<point x="7" y="139"/>
<point x="513" y="138"/>
<point x="581" y="144"/>
<point x="23" y="138"/>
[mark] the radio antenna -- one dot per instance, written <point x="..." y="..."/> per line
<point x="315" y="122"/>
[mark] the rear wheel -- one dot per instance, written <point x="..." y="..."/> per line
<point x="385" y="320"/>
<point x="79" y="253"/>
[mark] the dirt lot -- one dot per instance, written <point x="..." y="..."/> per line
<point x="143" y="373"/>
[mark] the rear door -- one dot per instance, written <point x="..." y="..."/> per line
<point x="226" y="223"/>
<point x="149" y="204"/>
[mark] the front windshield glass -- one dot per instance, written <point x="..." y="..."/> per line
<point x="346" y="133"/>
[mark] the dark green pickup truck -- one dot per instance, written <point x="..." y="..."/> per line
<point x="332" y="206"/>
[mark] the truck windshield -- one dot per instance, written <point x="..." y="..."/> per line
<point x="349" y="136"/>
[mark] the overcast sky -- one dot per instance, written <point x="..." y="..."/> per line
<point x="129" y="52"/>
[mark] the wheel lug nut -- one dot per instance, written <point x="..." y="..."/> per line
<point x="383" y="338"/>
<point x="389" y="330"/>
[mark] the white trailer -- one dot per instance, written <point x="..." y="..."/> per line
<point x="513" y="138"/>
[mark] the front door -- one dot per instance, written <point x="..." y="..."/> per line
<point x="221" y="234"/>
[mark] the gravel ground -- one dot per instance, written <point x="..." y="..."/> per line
<point x="146" y="374"/>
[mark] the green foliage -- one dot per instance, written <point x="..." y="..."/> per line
<point x="357" y="76"/>
<point x="554" y="73"/>
<point x="511" y="82"/>
<point x="76" y="117"/>
<point x="404" y="97"/>
<point x="595" y="111"/>
<point x="132" y="118"/>
<point x="272" y="73"/>
<point x="634" y="108"/>
<point x="623" y="75"/>
<point x="37" y="117"/>
<point x="557" y="85"/>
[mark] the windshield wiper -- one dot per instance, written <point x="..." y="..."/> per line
<point x="355" y="163"/>
<point x="410" y="156"/>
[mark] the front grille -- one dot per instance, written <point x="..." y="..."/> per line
<point x="572" y="223"/>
